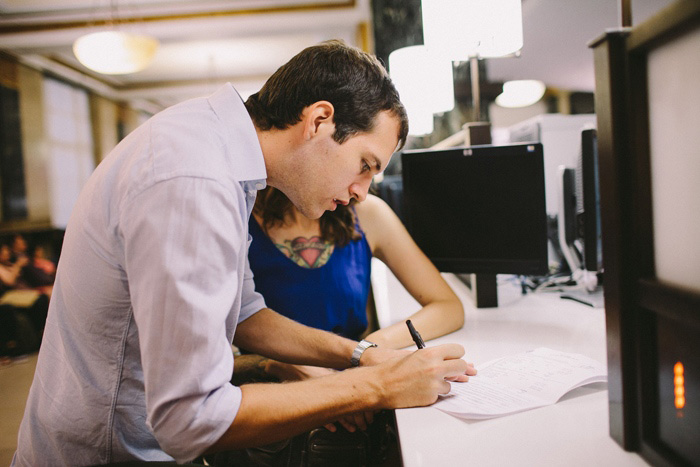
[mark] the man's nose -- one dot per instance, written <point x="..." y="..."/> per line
<point x="359" y="190"/>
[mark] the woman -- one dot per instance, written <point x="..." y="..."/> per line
<point x="317" y="272"/>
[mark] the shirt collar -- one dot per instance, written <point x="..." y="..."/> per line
<point x="228" y="106"/>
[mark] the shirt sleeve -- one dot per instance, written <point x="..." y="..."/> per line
<point x="183" y="241"/>
<point x="251" y="301"/>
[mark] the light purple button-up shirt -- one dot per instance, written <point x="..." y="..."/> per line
<point x="153" y="278"/>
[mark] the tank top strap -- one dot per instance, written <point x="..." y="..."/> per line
<point x="357" y="225"/>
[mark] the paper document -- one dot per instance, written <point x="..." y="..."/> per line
<point x="520" y="382"/>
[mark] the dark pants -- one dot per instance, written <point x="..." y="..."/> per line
<point x="377" y="446"/>
<point x="144" y="464"/>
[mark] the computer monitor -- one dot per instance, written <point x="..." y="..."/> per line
<point x="588" y="202"/>
<point x="579" y="225"/>
<point x="566" y="220"/>
<point x="478" y="209"/>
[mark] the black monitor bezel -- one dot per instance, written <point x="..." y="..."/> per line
<point x="537" y="265"/>
<point x="589" y="218"/>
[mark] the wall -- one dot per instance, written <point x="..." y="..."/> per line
<point x="105" y="122"/>
<point x="45" y="176"/>
<point x="13" y="195"/>
<point x="30" y="86"/>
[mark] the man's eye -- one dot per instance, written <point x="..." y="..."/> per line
<point x="365" y="166"/>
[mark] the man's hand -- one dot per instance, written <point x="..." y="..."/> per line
<point x="270" y="412"/>
<point x="418" y="378"/>
<point x="471" y="371"/>
<point x="376" y="355"/>
<point x="353" y="422"/>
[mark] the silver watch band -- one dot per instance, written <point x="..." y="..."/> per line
<point x="359" y="350"/>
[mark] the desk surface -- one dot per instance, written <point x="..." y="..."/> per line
<point x="572" y="432"/>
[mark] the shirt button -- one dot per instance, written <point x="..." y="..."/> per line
<point x="259" y="186"/>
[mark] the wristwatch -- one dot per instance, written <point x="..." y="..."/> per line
<point x="359" y="350"/>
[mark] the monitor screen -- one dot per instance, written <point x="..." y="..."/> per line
<point x="479" y="209"/>
<point x="588" y="202"/>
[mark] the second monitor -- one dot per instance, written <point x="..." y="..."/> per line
<point x="478" y="209"/>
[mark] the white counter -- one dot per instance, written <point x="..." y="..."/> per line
<point x="573" y="432"/>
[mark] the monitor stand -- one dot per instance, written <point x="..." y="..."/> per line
<point x="484" y="291"/>
<point x="483" y="288"/>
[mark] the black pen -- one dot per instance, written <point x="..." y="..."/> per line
<point x="414" y="335"/>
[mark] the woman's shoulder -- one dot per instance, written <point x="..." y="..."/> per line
<point x="375" y="216"/>
<point x="371" y="206"/>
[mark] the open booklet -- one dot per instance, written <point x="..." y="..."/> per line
<point x="520" y="382"/>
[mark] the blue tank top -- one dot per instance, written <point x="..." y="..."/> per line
<point x="332" y="297"/>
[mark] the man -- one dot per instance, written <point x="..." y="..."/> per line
<point x="153" y="281"/>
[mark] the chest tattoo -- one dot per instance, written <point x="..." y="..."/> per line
<point x="310" y="253"/>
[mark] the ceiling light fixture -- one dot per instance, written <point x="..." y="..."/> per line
<point x="425" y="85"/>
<point x="114" y="52"/>
<point x="461" y="29"/>
<point x="471" y="30"/>
<point x="520" y="93"/>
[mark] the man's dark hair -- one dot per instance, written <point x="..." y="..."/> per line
<point x="353" y="81"/>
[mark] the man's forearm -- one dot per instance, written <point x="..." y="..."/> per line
<point x="275" y="336"/>
<point x="270" y="412"/>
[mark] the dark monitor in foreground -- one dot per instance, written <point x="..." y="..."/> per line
<point x="479" y="209"/>
<point x="588" y="202"/>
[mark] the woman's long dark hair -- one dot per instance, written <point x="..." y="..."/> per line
<point x="337" y="227"/>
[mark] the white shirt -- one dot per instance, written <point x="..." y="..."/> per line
<point x="152" y="281"/>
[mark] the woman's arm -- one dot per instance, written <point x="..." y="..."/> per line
<point x="390" y="242"/>
<point x="272" y="335"/>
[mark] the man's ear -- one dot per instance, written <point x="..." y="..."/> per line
<point x="318" y="119"/>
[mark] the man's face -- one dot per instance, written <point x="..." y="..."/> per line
<point x="329" y="174"/>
